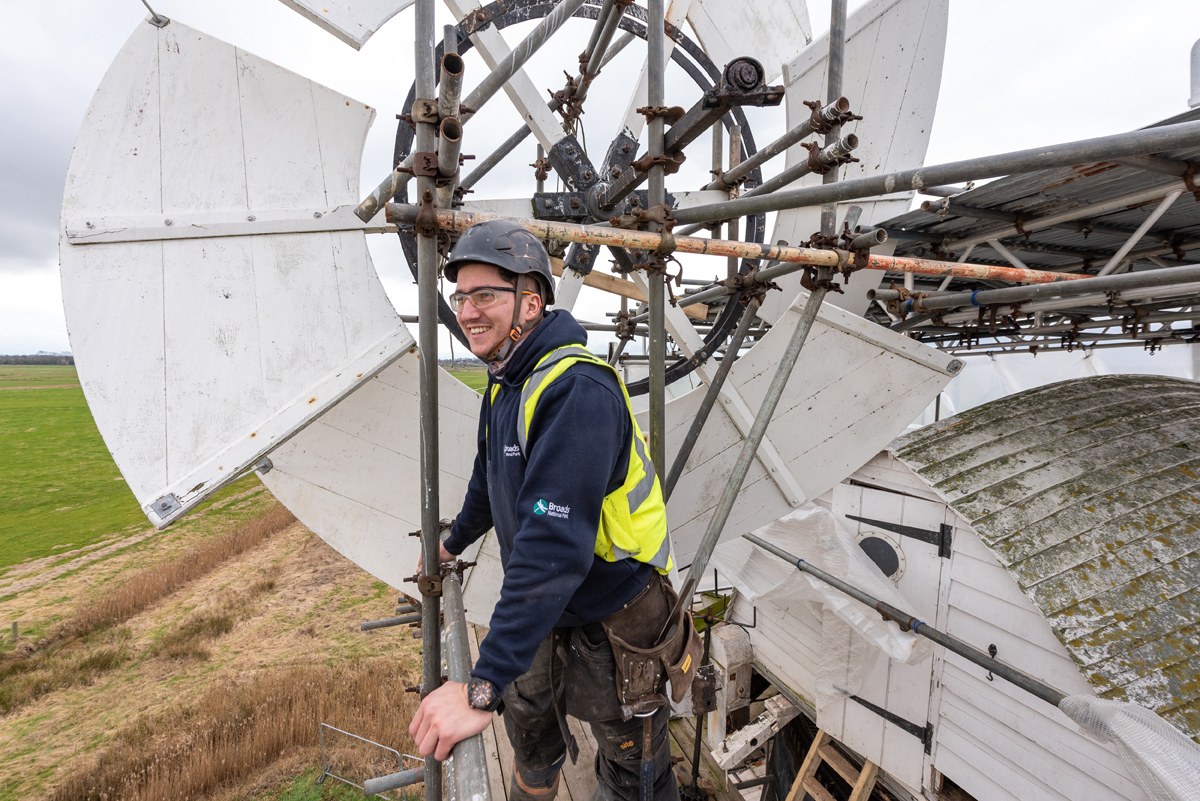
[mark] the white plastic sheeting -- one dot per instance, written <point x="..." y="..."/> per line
<point x="1160" y="758"/>
<point x="852" y="634"/>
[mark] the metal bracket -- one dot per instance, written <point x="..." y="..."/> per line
<point x="263" y="466"/>
<point x="426" y="223"/>
<point x="672" y="114"/>
<point x="430" y="586"/>
<point x="670" y="163"/>
<point x="424" y="110"/>
<point x="166" y="505"/>
<point x="424" y="165"/>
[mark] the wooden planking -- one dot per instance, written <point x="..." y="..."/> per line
<point x="295" y="278"/>
<point x="579" y="777"/>
<point x="214" y="390"/>
<point x="893" y="73"/>
<point x="493" y="736"/>
<point x="1025" y="759"/>
<point x="352" y="21"/>
<point x="1018" y="621"/>
<point x="1056" y="670"/>
<point x="279" y="124"/>
<point x="1002" y="779"/>
<point x="347" y="524"/>
<point x="120" y="367"/>
<point x="119" y="136"/>
<point x="1048" y="730"/>
<point x="366" y="312"/>
<point x="203" y="166"/>
<point x="342" y="125"/>
<point x="125" y="395"/>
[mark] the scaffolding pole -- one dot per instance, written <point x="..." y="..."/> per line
<point x="427" y="289"/>
<point x="656" y="50"/>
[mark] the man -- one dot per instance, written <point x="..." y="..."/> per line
<point x="563" y="475"/>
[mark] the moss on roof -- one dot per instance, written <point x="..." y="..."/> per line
<point x="1088" y="492"/>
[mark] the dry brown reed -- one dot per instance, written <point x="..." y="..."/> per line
<point x="148" y="586"/>
<point x="237" y="729"/>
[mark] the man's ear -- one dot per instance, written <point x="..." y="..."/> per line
<point x="531" y="306"/>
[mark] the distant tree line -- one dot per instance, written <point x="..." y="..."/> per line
<point x="40" y="358"/>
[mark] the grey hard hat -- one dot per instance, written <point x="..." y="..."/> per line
<point x="503" y="244"/>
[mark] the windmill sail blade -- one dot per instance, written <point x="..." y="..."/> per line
<point x="200" y="355"/>
<point x="352" y="21"/>
<point x="773" y="32"/>
<point x="894" y="52"/>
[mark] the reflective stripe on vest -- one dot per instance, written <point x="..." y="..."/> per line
<point x="633" y="521"/>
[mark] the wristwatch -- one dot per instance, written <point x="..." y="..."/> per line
<point x="483" y="695"/>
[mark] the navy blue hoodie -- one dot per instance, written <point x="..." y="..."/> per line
<point x="546" y="508"/>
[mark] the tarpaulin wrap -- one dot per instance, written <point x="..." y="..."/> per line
<point x="853" y="634"/>
<point x="1164" y="762"/>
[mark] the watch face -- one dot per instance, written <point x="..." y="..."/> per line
<point x="481" y="694"/>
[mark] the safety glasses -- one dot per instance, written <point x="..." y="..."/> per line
<point x="480" y="297"/>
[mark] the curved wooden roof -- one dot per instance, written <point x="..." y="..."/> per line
<point x="1088" y="492"/>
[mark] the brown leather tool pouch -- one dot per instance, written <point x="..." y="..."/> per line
<point x="643" y="663"/>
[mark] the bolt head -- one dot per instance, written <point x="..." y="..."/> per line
<point x="168" y="222"/>
<point x="587" y="175"/>
<point x="316" y="215"/>
<point x="250" y="218"/>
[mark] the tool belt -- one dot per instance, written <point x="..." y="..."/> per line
<point x="644" y="660"/>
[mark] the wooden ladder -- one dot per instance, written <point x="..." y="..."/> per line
<point x="822" y="750"/>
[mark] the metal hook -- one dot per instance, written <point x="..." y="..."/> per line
<point x="992" y="651"/>
<point x="155" y="19"/>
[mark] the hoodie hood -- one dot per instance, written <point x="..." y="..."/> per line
<point x="557" y="329"/>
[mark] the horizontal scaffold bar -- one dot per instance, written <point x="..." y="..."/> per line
<point x="459" y="221"/>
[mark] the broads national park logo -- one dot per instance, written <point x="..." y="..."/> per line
<point x="544" y="507"/>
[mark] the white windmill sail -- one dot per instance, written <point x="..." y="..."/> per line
<point x="220" y="297"/>
<point x="894" y="53"/>
<point x="773" y="32"/>
<point x="352" y="21"/>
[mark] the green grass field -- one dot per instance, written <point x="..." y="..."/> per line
<point x="59" y="486"/>
<point x="475" y="379"/>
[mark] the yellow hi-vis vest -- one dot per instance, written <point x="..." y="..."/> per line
<point x="633" y="518"/>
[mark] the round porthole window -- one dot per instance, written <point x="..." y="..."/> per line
<point x="884" y="552"/>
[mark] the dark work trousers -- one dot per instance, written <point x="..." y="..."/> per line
<point x="575" y="667"/>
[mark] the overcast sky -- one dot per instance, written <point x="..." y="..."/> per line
<point x="1017" y="74"/>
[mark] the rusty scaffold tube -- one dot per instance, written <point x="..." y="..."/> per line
<point x="404" y="214"/>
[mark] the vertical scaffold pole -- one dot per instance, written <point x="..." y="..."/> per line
<point x="833" y="90"/>
<point x="426" y="137"/>
<point x="837" y="50"/>
<point x="655" y="85"/>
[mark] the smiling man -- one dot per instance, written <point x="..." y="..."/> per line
<point x="563" y="476"/>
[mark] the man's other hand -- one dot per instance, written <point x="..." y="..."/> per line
<point x="443" y="556"/>
<point x="444" y="719"/>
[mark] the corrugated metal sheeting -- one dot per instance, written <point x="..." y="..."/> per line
<point x="1088" y="492"/>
